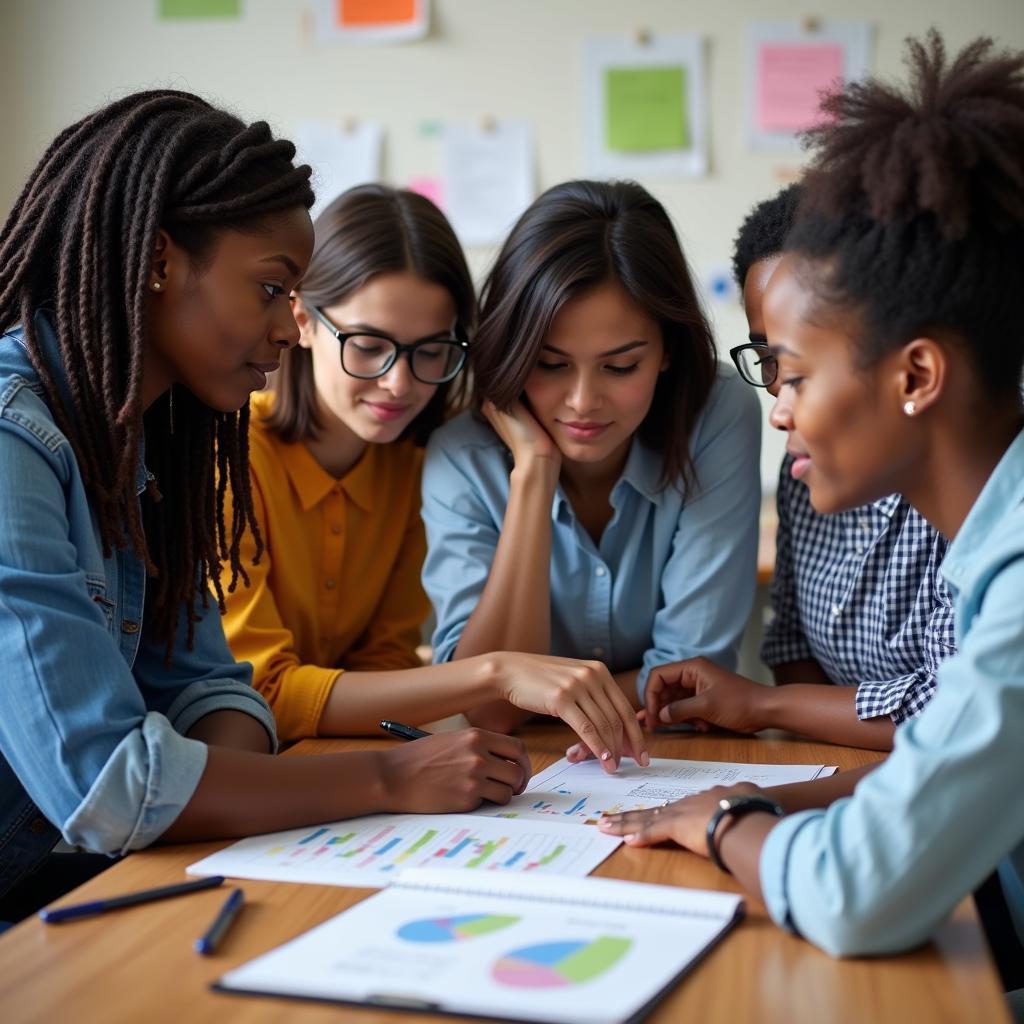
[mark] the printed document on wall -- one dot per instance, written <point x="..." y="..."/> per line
<point x="488" y="178"/>
<point x="645" y="108"/>
<point x="340" y="156"/>
<point x="790" y="66"/>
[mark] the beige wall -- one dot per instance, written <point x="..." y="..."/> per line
<point x="516" y="58"/>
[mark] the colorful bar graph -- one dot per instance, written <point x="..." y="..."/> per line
<point x="314" y="836"/>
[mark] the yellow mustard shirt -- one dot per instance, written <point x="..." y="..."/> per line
<point x="338" y="584"/>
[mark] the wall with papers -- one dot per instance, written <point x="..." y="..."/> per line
<point x="483" y="65"/>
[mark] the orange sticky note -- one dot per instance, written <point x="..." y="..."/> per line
<point x="364" y="13"/>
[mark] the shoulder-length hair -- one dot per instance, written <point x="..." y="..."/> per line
<point x="576" y="236"/>
<point x="370" y="230"/>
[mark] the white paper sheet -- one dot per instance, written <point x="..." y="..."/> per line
<point x="340" y="156"/>
<point x="590" y="952"/>
<point x="580" y="793"/>
<point x="488" y="174"/>
<point x="371" y="851"/>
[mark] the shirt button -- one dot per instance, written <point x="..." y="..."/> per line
<point x="335" y="529"/>
<point x="128" y="626"/>
<point x="598" y="652"/>
<point x="600" y="570"/>
<point x="836" y="611"/>
<point x="330" y="584"/>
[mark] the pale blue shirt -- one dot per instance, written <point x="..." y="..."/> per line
<point x="670" y="579"/>
<point x="877" y="872"/>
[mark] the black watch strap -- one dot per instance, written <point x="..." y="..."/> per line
<point x="735" y="807"/>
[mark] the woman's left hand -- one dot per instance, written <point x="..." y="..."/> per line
<point x="684" y="822"/>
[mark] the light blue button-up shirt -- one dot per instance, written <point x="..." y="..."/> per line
<point x="670" y="579"/>
<point x="877" y="872"/>
<point x="92" y="721"/>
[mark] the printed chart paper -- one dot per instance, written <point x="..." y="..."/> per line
<point x="789" y="66"/>
<point x="645" y="107"/>
<point x="580" y="793"/>
<point x="371" y="851"/>
<point x="521" y="950"/>
<point x="340" y="157"/>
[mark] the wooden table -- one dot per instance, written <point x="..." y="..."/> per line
<point x="137" y="964"/>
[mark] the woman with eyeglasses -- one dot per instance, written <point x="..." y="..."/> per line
<point x="857" y="597"/>
<point x="603" y="503"/>
<point x="330" y="614"/>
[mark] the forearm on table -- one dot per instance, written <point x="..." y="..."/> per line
<point x="233" y="729"/>
<point x="819" y="793"/>
<point x="359" y="700"/>
<point x="825" y="713"/>
<point x="514" y="610"/>
<point x="806" y="670"/>
<point x="243" y="793"/>
<point x="739" y="842"/>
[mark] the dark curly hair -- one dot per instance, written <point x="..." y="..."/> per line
<point x="576" y="236"/>
<point x="913" y="207"/>
<point x="78" y="242"/>
<point x="764" y="231"/>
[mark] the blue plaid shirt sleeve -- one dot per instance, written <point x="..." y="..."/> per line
<point x="784" y="637"/>
<point x="906" y="696"/>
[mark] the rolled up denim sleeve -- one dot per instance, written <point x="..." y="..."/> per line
<point x="74" y="726"/>
<point x="707" y="585"/>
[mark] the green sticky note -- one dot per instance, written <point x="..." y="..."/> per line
<point x="646" y="108"/>
<point x="200" y="8"/>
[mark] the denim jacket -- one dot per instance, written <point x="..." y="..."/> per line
<point x="92" y="720"/>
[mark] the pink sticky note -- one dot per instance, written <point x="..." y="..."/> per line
<point x="790" y="77"/>
<point x="432" y="188"/>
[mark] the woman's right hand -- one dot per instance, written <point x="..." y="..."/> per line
<point x="524" y="436"/>
<point x="583" y="694"/>
<point x="454" y="771"/>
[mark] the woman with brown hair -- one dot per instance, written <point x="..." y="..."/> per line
<point x="332" y="615"/>
<point x="605" y="504"/>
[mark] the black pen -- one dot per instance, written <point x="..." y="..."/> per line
<point x="403" y="732"/>
<point x="221" y="923"/>
<point x="114" y="902"/>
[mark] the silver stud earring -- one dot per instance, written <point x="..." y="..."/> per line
<point x="156" y="286"/>
<point x="909" y="408"/>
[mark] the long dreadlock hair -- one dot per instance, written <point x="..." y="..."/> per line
<point x="79" y="241"/>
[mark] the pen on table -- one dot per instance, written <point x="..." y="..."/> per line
<point x="403" y="732"/>
<point x="59" y="914"/>
<point x="210" y="939"/>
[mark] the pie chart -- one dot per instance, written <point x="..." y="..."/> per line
<point x="453" y="929"/>
<point x="558" y="964"/>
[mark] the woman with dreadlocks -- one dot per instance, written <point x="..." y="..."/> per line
<point x="145" y="272"/>
<point x="895" y="316"/>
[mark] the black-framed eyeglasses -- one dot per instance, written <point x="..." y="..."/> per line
<point x="756" y="364"/>
<point x="368" y="354"/>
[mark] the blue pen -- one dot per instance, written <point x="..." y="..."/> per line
<point x="114" y="902"/>
<point x="221" y="923"/>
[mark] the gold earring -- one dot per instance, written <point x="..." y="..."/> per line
<point x="909" y="408"/>
<point x="156" y="286"/>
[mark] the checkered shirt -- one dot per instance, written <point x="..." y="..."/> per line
<point x="860" y="593"/>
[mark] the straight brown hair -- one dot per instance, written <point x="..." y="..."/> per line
<point x="370" y="230"/>
<point x="574" y="237"/>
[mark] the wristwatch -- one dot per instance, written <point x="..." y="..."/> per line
<point x="735" y="807"/>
